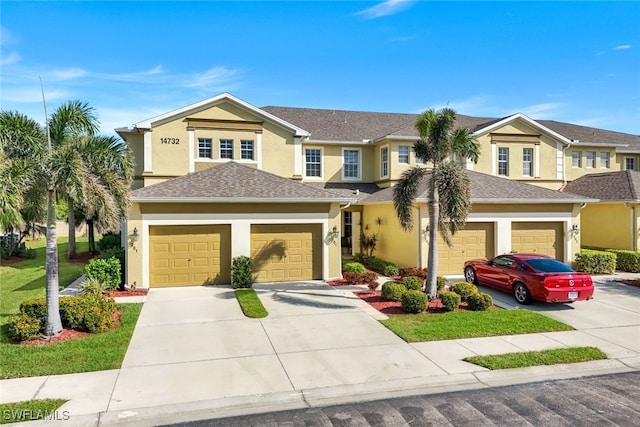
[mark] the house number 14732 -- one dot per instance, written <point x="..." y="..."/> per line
<point x="170" y="140"/>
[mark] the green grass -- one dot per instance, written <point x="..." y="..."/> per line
<point x="32" y="410"/>
<point x="471" y="324"/>
<point x="93" y="353"/>
<point x="250" y="303"/>
<point x="537" y="358"/>
<point x="26" y="279"/>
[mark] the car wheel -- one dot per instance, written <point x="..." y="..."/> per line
<point x="470" y="275"/>
<point x="521" y="293"/>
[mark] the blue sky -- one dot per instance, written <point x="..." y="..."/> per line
<point x="576" y="61"/>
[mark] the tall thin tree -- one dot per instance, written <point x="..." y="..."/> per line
<point x="443" y="146"/>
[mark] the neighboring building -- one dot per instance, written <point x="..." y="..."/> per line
<point x="614" y="221"/>
<point x="329" y="174"/>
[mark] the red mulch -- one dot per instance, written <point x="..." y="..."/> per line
<point x="11" y="260"/>
<point x="635" y="283"/>
<point x="374" y="299"/>
<point x="130" y="293"/>
<point x="70" y="334"/>
<point x="84" y="257"/>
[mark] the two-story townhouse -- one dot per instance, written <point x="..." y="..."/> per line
<point x="295" y="188"/>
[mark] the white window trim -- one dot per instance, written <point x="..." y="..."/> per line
<point x="608" y="163"/>
<point x="586" y="160"/>
<point x="381" y="161"/>
<point x="532" y="164"/>
<point x="507" y="161"/>
<point x="304" y="164"/>
<point x="579" y="159"/>
<point x="359" y="177"/>
<point x="626" y="160"/>
<point x="205" y="159"/>
<point x="408" y="155"/>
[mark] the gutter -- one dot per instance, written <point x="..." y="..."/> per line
<point x="236" y="200"/>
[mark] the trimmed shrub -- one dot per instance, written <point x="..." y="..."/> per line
<point x="441" y="282"/>
<point x="353" y="267"/>
<point x="241" y="272"/>
<point x="464" y="289"/>
<point x="355" y="278"/>
<point x="381" y="266"/>
<point x="627" y="260"/>
<point x="393" y="291"/>
<point x="412" y="271"/>
<point x="108" y="241"/>
<point x="373" y="285"/>
<point x="72" y="312"/>
<point x="412" y="283"/>
<point x="93" y="286"/>
<point x="414" y="302"/>
<point x="390" y="270"/>
<point x="106" y="271"/>
<point x="22" y="327"/>
<point x="450" y="300"/>
<point x="117" y="253"/>
<point x="479" y="301"/>
<point x="99" y="311"/>
<point x="590" y="261"/>
<point x="35" y="308"/>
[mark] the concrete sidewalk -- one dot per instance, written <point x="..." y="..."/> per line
<point x="194" y="355"/>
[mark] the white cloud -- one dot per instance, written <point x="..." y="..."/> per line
<point x="386" y="8"/>
<point x="68" y="74"/>
<point x="136" y="76"/>
<point x="32" y="94"/>
<point x="6" y="37"/>
<point x="622" y="47"/>
<point x="213" y="78"/>
<point x="547" y="110"/>
<point x="474" y="105"/>
<point x="13" y="58"/>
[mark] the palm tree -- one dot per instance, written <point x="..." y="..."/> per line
<point x="441" y="144"/>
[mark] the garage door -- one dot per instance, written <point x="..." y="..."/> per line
<point x="474" y="241"/>
<point x="286" y="252"/>
<point x="189" y="255"/>
<point x="538" y="237"/>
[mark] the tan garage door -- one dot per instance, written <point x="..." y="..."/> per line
<point x="189" y="255"/>
<point x="538" y="237"/>
<point x="286" y="252"/>
<point x="474" y="241"/>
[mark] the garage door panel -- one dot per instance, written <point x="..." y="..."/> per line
<point x="287" y="252"/>
<point x="476" y="240"/>
<point x="544" y="238"/>
<point x="189" y="255"/>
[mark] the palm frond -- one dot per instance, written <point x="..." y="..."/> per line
<point x="72" y="117"/>
<point x="465" y="145"/>
<point x="404" y="193"/>
<point x="454" y="189"/>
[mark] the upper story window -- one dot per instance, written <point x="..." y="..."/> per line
<point x="527" y="161"/>
<point x="384" y="162"/>
<point x="590" y="159"/>
<point x="351" y="164"/>
<point x="205" y="148"/>
<point x="503" y="161"/>
<point x="604" y="160"/>
<point x="576" y="159"/>
<point x="246" y="149"/>
<point x="629" y="163"/>
<point x="226" y="148"/>
<point x="313" y="162"/>
<point x="403" y="154"/>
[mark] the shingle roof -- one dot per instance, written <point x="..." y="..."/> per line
<point x="343" y="125"/>
<point x="621" y="185"/>
<point x="491" y="189"/>
<point x="233" y="182"/>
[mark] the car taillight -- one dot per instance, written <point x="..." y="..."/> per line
<point x="550" y="282"/>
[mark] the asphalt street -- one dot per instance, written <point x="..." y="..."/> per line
<point x="608" y="400"/>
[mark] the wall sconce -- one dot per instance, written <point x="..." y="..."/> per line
<point x="135" y="235"/>
<point x="575" y="228"/>
<point x="335" y="230"/>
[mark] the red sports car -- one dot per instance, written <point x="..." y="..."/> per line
<point x="530" y="277"/>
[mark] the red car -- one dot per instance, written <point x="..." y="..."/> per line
<point x="530" y="277"/>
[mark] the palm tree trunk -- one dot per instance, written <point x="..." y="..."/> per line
<point x="432" y="263"/>
<point x="71" y="251"/>
<point x="53" y="325"/>
<point x="91" y="235"/>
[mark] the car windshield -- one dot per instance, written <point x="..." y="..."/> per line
<point x="548" y="265"/>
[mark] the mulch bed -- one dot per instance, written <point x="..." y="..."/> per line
<point x="374" y="299"/>
<point x="83" y="257"/>
<point x="70" y="334"/>
<point x="635" y="283"/>
<point x="129" y="293"/>
<point x="11" y="260"/>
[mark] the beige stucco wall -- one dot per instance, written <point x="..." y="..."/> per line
<point x="574" y="173"/>
<point x="610" y="225"/>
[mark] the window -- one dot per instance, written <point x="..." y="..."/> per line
<point x="527" y="161"/>
<point x="403" y="154"/>
<point x="246" y="149"/>
<point x="313" y="162"/>
<point x="226" y="148"/>
<point x="604" y="160"/>
<point x="384" y="162"/>
<point x="576" y="159"/>
<point x="629" y="163"/>
<point x="351" y="164"/>
<point x="204" y="148"/>
<point x="590" y="159"/>
<point x="348" y="224"/>
<point x="503" y="161"/>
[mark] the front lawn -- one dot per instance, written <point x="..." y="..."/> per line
<point x="537" y="358"/>
<point x="250" y="303"/>
<point x="471" y="324"/>
<point x="32" y="410"/>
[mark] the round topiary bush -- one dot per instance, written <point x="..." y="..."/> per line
<point x="22" y="327"/>
<point x="393" y="291"/>
<point x="441" y="283"/>
<point x="479" y="301"/>
<point x="414" y="302"/>
<point x="390" y="270"/>
<point x="353" y="267"/>
<point x="450" y="300"/>
<point x="464" y="289"/>
<point x="412" y="283"/>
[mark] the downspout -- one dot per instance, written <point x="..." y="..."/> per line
<point x="564" y="165"/>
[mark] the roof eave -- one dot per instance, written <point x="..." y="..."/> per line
<point x="240" y="200"/>
<point x="531" y="122"/>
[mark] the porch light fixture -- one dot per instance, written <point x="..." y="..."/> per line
<point x="135" y="235"/>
